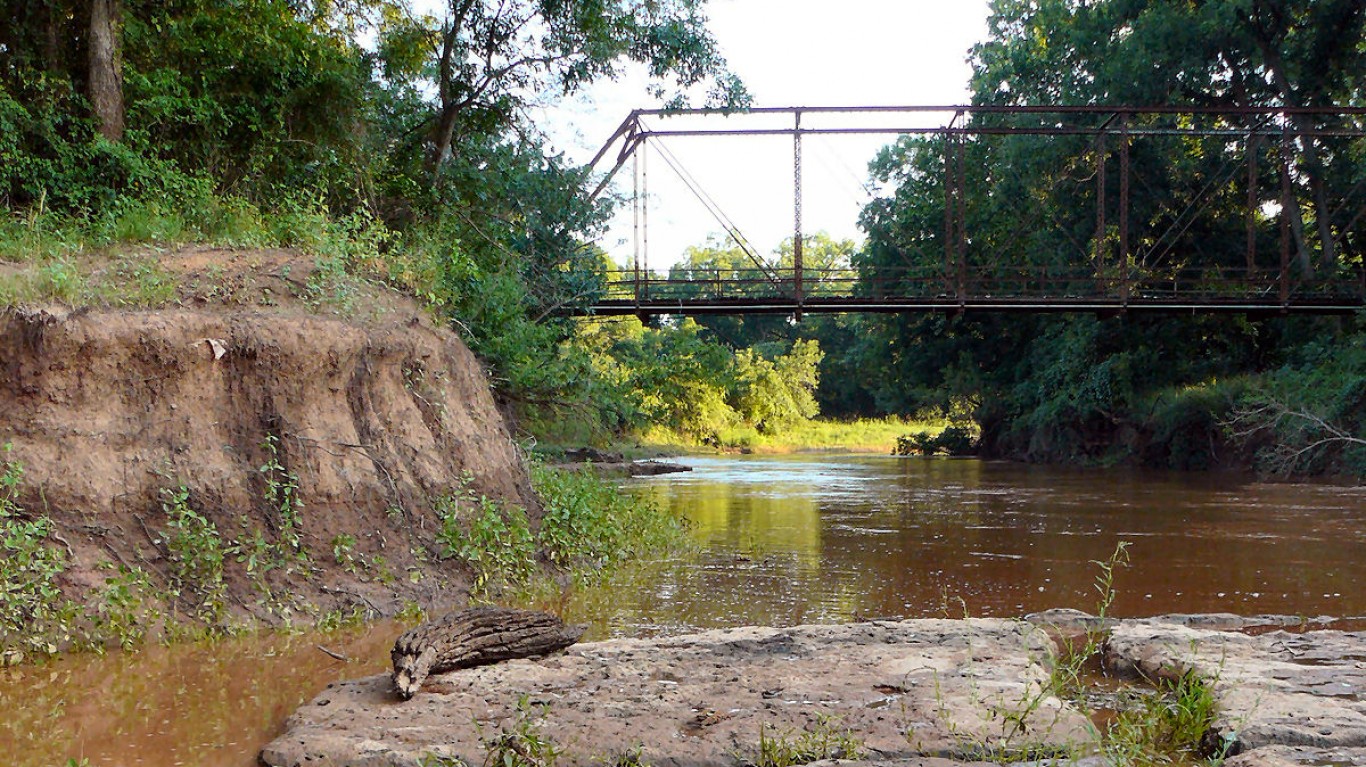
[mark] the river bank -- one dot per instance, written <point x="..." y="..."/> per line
<point x="966" y="690"/>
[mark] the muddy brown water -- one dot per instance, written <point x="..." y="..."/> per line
<point x="779" y="541"/>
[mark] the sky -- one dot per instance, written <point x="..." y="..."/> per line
<point x="789" y="53"/>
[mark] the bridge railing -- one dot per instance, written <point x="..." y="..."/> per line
<point x="1021" y="283"/>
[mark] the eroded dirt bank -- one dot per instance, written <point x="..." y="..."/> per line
<point x="316" y="445"/>
<point x="910" y="692"/>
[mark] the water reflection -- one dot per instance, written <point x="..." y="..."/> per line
<point x="800" y="539"/>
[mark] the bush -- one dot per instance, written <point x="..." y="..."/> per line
<point x="953" y="440"/>
<point x="590" y="525"/>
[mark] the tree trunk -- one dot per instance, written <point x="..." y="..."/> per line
<point x="475" y="637"/>
<point x="1312" y="165"/>
<point x="443" y="135"/>
<point x="106" y="67"/>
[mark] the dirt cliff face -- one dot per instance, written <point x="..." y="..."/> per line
<point x="108" y="409"/>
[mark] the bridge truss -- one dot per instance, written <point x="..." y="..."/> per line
<point x="1129" y="241"/>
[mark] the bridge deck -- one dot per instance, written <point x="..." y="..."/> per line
<point x="901" y="291"/>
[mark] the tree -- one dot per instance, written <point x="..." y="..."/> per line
<point x="492" y="55"/>
<point x="106" y="67"/>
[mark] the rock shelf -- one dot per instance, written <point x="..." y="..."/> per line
<point x="915" y="692"/>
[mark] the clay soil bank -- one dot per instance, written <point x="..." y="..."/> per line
<point x="255" y="383"/>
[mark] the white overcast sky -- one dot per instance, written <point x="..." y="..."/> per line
<point x="789" y="53"/>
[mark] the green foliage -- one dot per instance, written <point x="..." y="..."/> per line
<point x="776" y="394"/>
<point x="344" y="551"/>
<point x="1168" y="726"/>
<point x="676" y="378"/>
<point x="522" y="743"/>
<point x="196" y="553"/>
<point x="282" y="498"/>
<point x="492" y="537"/>
<point x="590" y="525"/>
<point x="951" y="440"/>
<point x="121" y="614"/>
<point x="1309" y="415"/>
<point x="32" y="608"/>
<point x="824" y="740"/>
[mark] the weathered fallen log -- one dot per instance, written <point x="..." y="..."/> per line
<point x="475" y="637"/>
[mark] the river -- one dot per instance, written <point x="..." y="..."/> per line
<point x="780" y="540"/>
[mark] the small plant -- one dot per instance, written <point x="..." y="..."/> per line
<point x="1165" y="726"/>
<point x="282" y="495"/>
<point x="590" y="525"/>
<point x="119" y="613"/>
<point x="493" y="538"/>
<point x="196" y="553"/>
<point x="824" y="741"/>
<point x="1066" y="677"/>
<point x="411" y="613"/>
<point x="344" y="551"/>
<point x="32" y="608"/>
<point x="631" y="757"/>
<point x="522" y="744"/>
<point x="335" y="620"/>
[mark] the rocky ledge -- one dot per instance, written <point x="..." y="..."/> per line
<point x="914" y="692"/>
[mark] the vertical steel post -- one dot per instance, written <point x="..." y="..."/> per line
<point x="635" y="209"/>
<point x="797" y="210"/>
<point x="645" y="216"/>
<point x="961" y="209"/>
<point x="949" y="217"/>
<point x="1251" y="206"/>
<point x="1287" y="200"/>
<point x="1124" y="209"/>
<point x="1100" y="206"/>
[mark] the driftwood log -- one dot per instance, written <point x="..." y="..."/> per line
<point x="475" y="637"/>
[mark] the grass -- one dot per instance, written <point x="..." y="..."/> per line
<point x="1167" y="726"/>
<point x="521" y="743"/>
<point x="824" y="740"/>
<point x="111" y="259"/>
<point x="864" y="435"/>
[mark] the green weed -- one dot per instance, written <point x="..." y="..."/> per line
<point x="1066" y="673"/>
<point x="1166" y="726"/>
<point x="32" y="608"/>
<point x="196" y="553"/>
<point x="590" y="525"/>
<point x="411" y="613"/>
<point x="522" y="744"/>
<point x="492" y="537"/>
<point x="121" y="611"/>
<point x="825" y="740"/>
<point x="335" y="620"/>
<point x="282" y="496"/>
<point x="344" y="552"/>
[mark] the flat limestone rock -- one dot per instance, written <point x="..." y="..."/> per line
<point x="1299" y="756"/>
<point x="1278" y="688"/>
<point x="908" y="689"/>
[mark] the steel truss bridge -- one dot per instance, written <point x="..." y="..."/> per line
<point x="1133" y="237"/>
